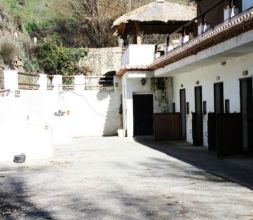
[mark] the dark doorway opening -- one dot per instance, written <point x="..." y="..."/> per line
<point x="143" y="114"/>
<point x="212" y="117"/>
<point x="183" y="112"/>
<point x="247" y="113"/>
<point x="197" y="118"/>
<point x="218" y="98"/>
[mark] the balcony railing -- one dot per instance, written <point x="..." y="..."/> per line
<point x="183" y="35"/>
<point x="233" y="27"/>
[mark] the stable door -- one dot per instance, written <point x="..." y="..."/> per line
<point x="197" y="118"/>
<point x="183" y="112"/>
<point x="247" y="113"/>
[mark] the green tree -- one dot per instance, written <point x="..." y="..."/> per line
<point x="54" y="59"/>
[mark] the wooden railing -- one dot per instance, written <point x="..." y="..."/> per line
<point x="237" y="25"/>
<point x="179" y="38"/>
<point x="28" y="81"/>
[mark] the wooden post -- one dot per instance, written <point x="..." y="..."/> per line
<point x="137" y="33"/>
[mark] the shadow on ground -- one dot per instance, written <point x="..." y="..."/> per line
<point x="238" y="169"/>
<point x="14" y="202"/>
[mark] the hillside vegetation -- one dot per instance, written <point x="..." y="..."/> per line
<point x="63" y="28"/>
<point x="74" y="23"/>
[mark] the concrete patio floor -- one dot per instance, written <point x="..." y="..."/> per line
<point x="113" y="178"/>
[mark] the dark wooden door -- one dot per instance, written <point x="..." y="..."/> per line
<point x="143" y="114"/>
<point x="218" y="109"/>
<point x="229" y="134"/>
<point x="167" y="126"/>
<point x="218" y="98"/>
<point x="247" y="113"/>
<point x="197" y="119"/>
<point x="183" y="112"/>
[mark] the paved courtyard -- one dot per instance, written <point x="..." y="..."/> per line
<point x="113" y="178"/>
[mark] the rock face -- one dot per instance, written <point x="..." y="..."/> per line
<point x="7" y="26"/>
<point x="102" y="60"/>
<point x="12" y="42"/>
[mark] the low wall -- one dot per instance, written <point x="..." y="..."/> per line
<point x="34" y="121"/>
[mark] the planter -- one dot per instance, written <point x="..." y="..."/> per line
<point x="121" y="133"/>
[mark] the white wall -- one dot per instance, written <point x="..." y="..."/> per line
<point x="207" y="75"/>
<point x="28" y="123"/>
<point x="138" y="55"/>
<point x="92" y="113"/>
<point x="132" y="85"/>
<point x="246" y="4"/>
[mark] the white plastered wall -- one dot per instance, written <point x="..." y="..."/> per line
<point x="28" y="123"/>
<point x="247" y="4"/>
<point x="207" y="75"/>
<point x="131" y="84"/>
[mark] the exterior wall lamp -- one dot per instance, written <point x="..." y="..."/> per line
<point x="245" y="73"/>
<point x="143" y="81"/>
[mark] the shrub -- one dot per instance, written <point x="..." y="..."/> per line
<point x="59" y="60"/>
<point x="8" y="52"/>
<point x="21" y="2"/>
<point x="31" y="27"/>
<point x="32" y="65"/>
<point x="34" y="26"/>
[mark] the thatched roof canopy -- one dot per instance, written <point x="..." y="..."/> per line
<point x="159" y="17"/>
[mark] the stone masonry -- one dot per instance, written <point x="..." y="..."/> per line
<point x="103" y="60"/>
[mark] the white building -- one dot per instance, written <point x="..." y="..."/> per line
<point x="208" y="81"/>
